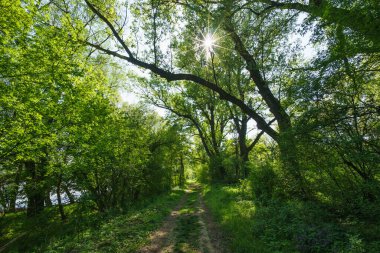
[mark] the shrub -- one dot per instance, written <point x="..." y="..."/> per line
<point x="264" y="181"/>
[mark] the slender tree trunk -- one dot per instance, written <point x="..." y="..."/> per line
<point x="68" y="193"/>
<point x="181" y="172"/>
<point x="237" y="156"/>
<point x="243" y="153"/>
<point x="48" y="202"/>
<point x="15" y="188"/>
<point x="242" y="128"/>
<point x="60" y="206"/>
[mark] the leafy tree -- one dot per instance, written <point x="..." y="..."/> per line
<point x="255" y="32"/>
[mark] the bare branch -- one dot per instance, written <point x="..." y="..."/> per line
<point x="114" y="32"/>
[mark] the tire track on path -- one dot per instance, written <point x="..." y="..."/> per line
<point x="188" y="229"/>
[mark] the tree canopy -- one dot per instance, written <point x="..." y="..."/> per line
<point x="283" y="94"/>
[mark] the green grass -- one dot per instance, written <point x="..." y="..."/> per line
<point x="187" y="227"/>
<point x="88" y="231"/>
<point x="235" y="216"/>
<point x="284" y="226"/>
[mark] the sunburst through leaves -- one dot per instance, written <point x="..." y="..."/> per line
<point x="208" y="42"/>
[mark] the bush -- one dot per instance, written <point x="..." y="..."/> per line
<point x="264" y="182"/>
<point x="202" y="173"/>
<point x="278" y="225"/>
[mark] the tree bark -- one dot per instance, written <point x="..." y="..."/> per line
<point x="60" y="206"/>
<point x="48" y="202"/>
<point x="15" y="189"/>
<point x="241" y="129"/>
<point x="286" y="139"/>
<point x="273" y="103"/>
<point x="34" y="191"/>
<point x="68" y="193"/>
<point x="169" y="76"/>
<point x="296" y="185"/>
<point x="181" y="172"/>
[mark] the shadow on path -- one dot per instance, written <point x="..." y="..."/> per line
<point x="188" y="229"/>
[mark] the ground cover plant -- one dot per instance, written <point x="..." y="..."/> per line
<point x="87" y="230"/>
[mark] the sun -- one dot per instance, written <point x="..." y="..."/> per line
<point x="209" y="42"/>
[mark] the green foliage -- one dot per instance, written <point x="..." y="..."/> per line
<point x="202" y="173"/>
<point x="312" y="182"/>
<point x="264" y="182"/>
<point x="123" y="165"/>
<point x="284" y="226"/>
<point x="62" y="124"/>
<point x="86" y="230"/>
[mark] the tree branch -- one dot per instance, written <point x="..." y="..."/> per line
<point x="353" y="19"/>
<point x="256" y="140"/>
<point x="273" y="103"/>
<point x="169" y="76"/>
<point x="114" y="32"/>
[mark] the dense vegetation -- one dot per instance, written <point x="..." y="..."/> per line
<point x="274" y="106"/>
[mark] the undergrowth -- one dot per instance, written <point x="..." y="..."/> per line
<point x="87" y="230"/>
<point x="284" y="226"/>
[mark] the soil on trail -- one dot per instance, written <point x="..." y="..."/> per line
<point x="188" y="229"/>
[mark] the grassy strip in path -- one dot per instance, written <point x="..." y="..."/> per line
<point x="90" y="231"/>
<point x="187" y="228"/>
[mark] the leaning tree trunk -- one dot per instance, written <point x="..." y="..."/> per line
<point x="285" y="137"/>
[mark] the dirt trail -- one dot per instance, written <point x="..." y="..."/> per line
<point x="188" y="229"/>
<point x="214" y="238"/>
<point x="162" y="238"/>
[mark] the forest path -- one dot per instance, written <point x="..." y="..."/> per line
<point x="188" y="229"/>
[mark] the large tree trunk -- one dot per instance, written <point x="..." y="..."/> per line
<point x="241" y="126"/>
<point x="216" y="168"/>
<point x="34" y="189"/>
<point x="243" y="154"/>
<point x="285" y="139"/>
<point x="296" y="184"/>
